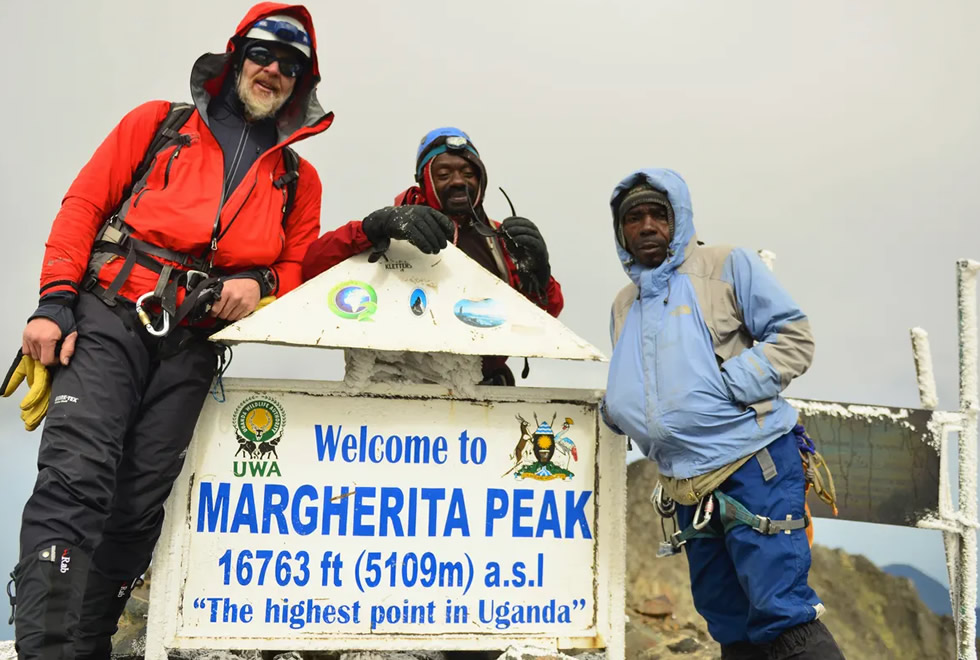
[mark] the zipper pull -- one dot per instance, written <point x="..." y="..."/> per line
<point x="214" y="244"/>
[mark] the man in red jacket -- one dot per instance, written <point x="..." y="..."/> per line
<point x="220" y="204"/>
<point x="447" y="205"/>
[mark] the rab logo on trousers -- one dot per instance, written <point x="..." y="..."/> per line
<point x="65" y="560"/>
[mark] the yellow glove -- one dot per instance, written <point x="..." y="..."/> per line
<point x="35" y="405"/>
<point x="263" y="302"/>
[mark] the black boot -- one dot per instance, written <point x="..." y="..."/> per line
<point x="49" y="584"/>
<point x="104" y="602"/>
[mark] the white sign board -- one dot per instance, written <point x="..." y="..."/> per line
<point x="309" y="518"/>
<point x="442" y="302"/>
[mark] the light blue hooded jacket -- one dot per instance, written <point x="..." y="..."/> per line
<point x="687" y="381"/>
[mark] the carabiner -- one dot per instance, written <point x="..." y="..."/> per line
<point x="664" y="505"/>
<point x="705" y="508"/>
<point x="147" y="321"/>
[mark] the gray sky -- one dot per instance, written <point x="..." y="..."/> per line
<point x="842" y="136"/>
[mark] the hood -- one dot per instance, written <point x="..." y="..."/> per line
<point x="301" y="111"/>
<point x="434" y="144"/>
<point x="684" y="238"/>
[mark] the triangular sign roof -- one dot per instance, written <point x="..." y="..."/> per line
<point x="410" y="301"/>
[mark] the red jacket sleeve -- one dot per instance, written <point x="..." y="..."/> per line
<point x="94" y="194"/>
<point x="333" y="247"/>
<point x="301" y="229"/>
<point x="556" y="301"/>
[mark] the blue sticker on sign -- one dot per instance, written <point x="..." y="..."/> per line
<point x="486" y="313"/>
<point x="418" y="302"/>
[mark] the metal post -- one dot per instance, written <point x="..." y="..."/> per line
<point x="966" y="598"/>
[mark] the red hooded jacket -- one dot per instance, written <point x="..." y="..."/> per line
<point x="181" y="202"/>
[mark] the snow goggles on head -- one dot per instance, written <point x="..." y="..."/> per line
<point x="289" y="65"/>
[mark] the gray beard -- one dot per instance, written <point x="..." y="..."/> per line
<point x="258" y="109"/>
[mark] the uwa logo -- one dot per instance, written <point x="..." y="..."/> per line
<point x="259" y="423"/>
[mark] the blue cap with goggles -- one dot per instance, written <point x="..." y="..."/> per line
<point x="440" y="141"/>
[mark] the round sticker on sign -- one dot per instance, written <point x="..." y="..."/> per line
<point x="259" y="423"/>
<point x="353" y="300"/>
<point x="418" y="302"/>
<point x="485" y="313"/>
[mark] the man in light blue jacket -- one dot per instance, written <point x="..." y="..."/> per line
<point x="704" y="341"/>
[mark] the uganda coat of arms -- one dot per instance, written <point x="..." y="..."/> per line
<point x="535" y="451"/>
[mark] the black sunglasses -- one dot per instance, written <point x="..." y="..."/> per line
<point x="289" y="66"/>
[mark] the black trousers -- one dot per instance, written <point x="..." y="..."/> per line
<point x="118" y="425"/>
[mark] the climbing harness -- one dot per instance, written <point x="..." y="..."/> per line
<point x="731" y="512"/>
<point x="194" y="274"/>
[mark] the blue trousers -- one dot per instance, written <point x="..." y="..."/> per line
<point x="748" y="586"/>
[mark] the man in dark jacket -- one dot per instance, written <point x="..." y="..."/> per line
<point x="218" y="220"/>
<point x="447" y="205"/>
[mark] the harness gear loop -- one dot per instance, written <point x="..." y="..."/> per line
<point x="817" y="471"/>
<point x="702" y="516"/>
<point x="667" y="548"/>
<point x="664" y="505"/>
<point x="145" y="319"/>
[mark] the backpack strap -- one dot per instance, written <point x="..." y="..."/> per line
<point x="168" y="130"/>
<point x="113" y="238"/>
<point x="289" y="181"/>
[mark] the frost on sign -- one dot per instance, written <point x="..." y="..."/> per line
<point x="885" y="461"/>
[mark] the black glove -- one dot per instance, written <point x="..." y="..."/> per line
<point x="527" y="247"/>
<point x="422" y="226"/>
<point x="57" y="307"/>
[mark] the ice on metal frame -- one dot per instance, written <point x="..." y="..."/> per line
<point x="410" y="301"/>
<point x="923" y="369"/>
<point x="966" y="574"/>
<point x="958" y="523"/>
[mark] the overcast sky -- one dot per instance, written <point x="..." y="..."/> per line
<point x="842" y="136"/>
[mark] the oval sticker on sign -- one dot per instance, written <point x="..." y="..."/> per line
<point x="486" y="313"/>
<point x="418" y="302"/>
